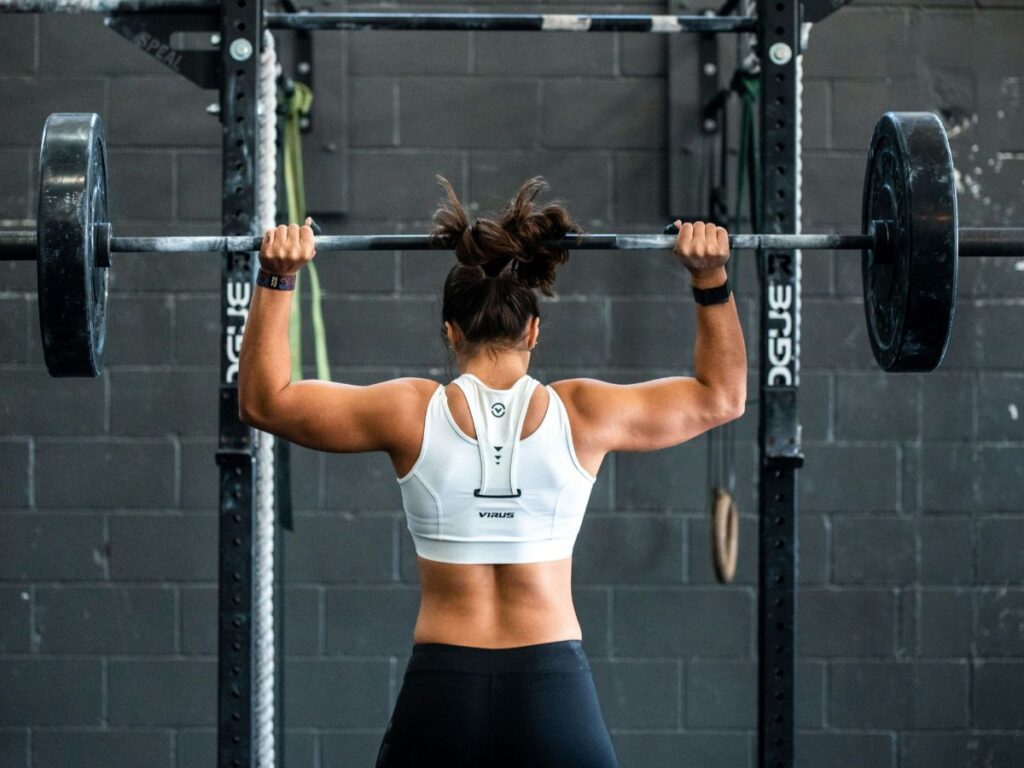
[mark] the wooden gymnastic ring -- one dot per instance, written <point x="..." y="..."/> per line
<point x="725" y="534"/>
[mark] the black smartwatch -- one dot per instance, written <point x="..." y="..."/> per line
<point x="717" y="295"/>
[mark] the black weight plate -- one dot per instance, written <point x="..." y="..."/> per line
<point x="910" y="282"/>
<point x="72" y="288"/>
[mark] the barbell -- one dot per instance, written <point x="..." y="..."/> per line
<point x="910" y="242"/>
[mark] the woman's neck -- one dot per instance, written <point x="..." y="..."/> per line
<point x="500" y="372"/>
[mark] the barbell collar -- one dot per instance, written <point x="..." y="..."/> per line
<point x="102" y="235"/>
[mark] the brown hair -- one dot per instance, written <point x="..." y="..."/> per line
<point x="490" y="293"/>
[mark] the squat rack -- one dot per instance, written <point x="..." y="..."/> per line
<point x="233" y="71"/>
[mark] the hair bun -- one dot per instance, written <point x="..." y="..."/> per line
<point x="534" y="227"/>
<point x="516" y="244"/>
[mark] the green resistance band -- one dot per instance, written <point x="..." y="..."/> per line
<point x="298" y="107"/>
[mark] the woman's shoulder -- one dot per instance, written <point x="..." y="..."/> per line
<point x="401" y="397"/>
<point x="415" y="388"/>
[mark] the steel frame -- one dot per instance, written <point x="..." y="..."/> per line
<point x="240" y="24"/>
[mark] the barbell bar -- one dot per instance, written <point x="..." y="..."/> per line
<point x="910" y="242"/>
<point x="21" y="245"/>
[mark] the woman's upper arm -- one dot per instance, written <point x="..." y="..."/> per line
<point x="345" y="418"/>
<point x="645" y="416"/>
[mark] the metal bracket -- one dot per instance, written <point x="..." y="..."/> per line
<point x="707" y="75"/>
<point x="817" y="10"/>
<point x="303" y="57"/>
<point x="779" y="427"/>
<point x="304" y="72"/>
<point x="152" y="34"/>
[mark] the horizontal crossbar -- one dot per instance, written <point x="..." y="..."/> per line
<point x="433" y="21"/>
<point x="511" y="22"/>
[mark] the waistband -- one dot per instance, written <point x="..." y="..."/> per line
<point x="559" y="656"/>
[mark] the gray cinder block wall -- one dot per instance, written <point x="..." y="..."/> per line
<point x="911" y="533"/>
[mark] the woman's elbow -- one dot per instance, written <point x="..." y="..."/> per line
<point x="254" y="401"/>
<point x="732" y="405"/>
<point x="247" y="416"/>
<point x="252" y="413"/>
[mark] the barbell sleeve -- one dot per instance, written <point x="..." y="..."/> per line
<point x="17" y="246"/>
<point x="1006" y="241"/>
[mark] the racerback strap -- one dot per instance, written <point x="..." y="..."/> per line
<point x="498" y="416"/>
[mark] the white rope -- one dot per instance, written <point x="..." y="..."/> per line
<point x="798" y="73"/>
<point x="263" y="569"/>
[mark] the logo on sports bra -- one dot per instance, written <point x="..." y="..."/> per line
<point x="498" y="409"/>
<point x="497" y="514"/>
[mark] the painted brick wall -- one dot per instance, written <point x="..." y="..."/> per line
<point x="911" y="534"/>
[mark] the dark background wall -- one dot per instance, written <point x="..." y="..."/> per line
<point x="911" y="632"/>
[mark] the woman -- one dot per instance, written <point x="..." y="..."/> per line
<point x="495" y="473"/>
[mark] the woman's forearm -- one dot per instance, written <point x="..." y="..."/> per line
<point x="265" y="362"/>
<point x="719" y="355"/>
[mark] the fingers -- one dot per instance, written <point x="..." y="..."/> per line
<point x="698" y="231"/>
<point x="701" y="235"/>
<point x="685" y="235"/>
<point x="306" y="238"/>
<point x="280" y="242"/>
<point x="285" y="241"/>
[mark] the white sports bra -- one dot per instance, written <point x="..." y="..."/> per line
<point x="497" y="498"/>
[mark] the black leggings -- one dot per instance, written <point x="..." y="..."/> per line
<point x="531" y="706"/>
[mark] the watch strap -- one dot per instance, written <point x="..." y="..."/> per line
<point x="277" y="282"/>
<point x="718" y="294"/>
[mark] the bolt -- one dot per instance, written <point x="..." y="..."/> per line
<point x="215" y="39"/>
<point x="303" y="67"/>
<point x="780" y="53"/>
<point x="303" y="123"/>
<point x="213" y="109"/>
<point x="241" y="49"/>
<point x="710" y="125"/>
<point x="710" y="70"/>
